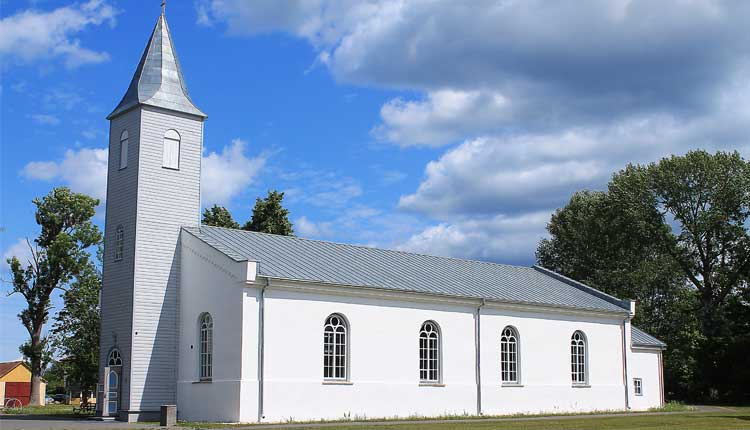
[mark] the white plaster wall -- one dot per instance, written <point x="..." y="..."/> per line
<point x="645" y="364"/>
<point x="384" y="358"/>
<point x="210" y="282"/>
<point x="544" y="347"/>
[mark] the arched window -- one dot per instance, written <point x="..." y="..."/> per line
<point x="429" y="352"/>
<point x="578" y="358"/>
<point x="171" y="158"/>
<point x="205" y="342"/>
<point x="509" y="356"/>
<point x="124" y="149"/>
<point x="335" y="344"/>
<point x="119" y="242"/>
<point x="114" y="358"/>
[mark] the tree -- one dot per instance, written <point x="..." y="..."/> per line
<point x="696" y="208"/>
<point x="58" y="254"/>
<point x="680" y="221"/>
<point x="269" y="216"/>
<point x="594" y="242"/>
<point x="219" y="216"/>
<point x="75" y="333"/>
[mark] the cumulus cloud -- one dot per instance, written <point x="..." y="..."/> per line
<point x="495" y="238"/>
<point x="306" y="228"/>
<point x="83" y="170"/>
<point x="227" y="173"/>
<point x="537" y="99"/>
<point x="33" y="35"/>
<point x="19" y="249"/>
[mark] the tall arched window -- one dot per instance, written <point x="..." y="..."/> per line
<point x="114" y="358"/>
<point x="578" y="358"/>
<point x="335" y="343"/>
<point x="205" y="341"/>
<point x="171" y="158"/>
<point x="119" y="242"/>
<point x="509" y="356"/>
<point x="429" y="352"/>
<point x="124" y="149"/>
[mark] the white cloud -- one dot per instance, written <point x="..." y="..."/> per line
<point x="20" y="249"/>
<point x="497" y="238"/>
<point x="45" y="119"/>
<point x="83" y="170"/>
<point x="304" y="227"/>
<point x="227" y="174"/>
<point x="33" y="35"/>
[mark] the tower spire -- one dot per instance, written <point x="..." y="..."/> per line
<point x="163" y="7"/>
<point x="158" y="78"/>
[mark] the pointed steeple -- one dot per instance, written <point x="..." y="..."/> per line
<point x="158" y="79"/>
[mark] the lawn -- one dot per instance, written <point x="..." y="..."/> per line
<point x="57" y="410"/>
<point x="730" y="418"/>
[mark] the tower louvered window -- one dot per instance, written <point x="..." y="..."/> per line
<point x="124" y="149"/>
<point x="171" y="157"/>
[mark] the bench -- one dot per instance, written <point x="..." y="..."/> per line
<point x="85" y="408"/>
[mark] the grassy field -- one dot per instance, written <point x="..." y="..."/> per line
<point x="57" y="410"/>
<point x="724" y="419"/>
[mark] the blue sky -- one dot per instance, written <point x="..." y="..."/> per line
<point x="450" y="128"/>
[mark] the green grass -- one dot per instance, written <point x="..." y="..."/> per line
<point x="682" y="421"/>
<point x="681" y="418"/>
<point x="57" y="410"/>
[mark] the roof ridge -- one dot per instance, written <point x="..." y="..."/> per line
<point x="491" y="263"/>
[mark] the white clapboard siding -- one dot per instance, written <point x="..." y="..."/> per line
<point x="117" y="285"/>
<point x="167" y="200"/>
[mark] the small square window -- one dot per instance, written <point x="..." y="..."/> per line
<point x="638" y="386"/>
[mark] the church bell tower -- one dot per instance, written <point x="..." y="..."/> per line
<point x="153" y="189"/>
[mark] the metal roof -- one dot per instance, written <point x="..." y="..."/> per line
<point x="286" y="257"/>
<point x="639" y="337"/>
<point x="158" y="79"/>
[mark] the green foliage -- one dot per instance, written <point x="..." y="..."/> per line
<point x="75" y="333"/>
<point x="58" y="255"/>
<point x="270" y="216"/>
<point x="219" y="216"/>
<point x="674" y="236"/>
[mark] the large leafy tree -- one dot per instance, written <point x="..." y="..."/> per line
<point x="696" y="208"/>
<point x="58" y="255"/>
<point x="270" y="216"/>
<point x="219" y="216"/>
<point x="680" y="221"/>
<point x="594" y="242"/>
<point x="75" y="333"/>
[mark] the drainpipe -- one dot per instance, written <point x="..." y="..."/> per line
<point x="261" y="343"/>
<point x="631" y="314"/>
<point x="478" y="351"/>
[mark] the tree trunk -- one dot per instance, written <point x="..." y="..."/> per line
<point x="36" y="367"/>
<point x="36" y="388"/>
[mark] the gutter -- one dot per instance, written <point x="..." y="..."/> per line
<point x="478" y="352"/>
<point x="261" y="345"/>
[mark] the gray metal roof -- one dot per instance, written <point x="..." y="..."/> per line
<point x="641" y="338"/>
<point x="286" y="257"/>
<point x="158" y="79"/>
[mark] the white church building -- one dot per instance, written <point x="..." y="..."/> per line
<point x="237" y="326"/>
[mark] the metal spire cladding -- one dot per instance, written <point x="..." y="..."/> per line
<point x="158" y="79"/>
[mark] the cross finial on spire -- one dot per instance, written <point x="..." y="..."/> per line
<point x="163" y="6"/>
